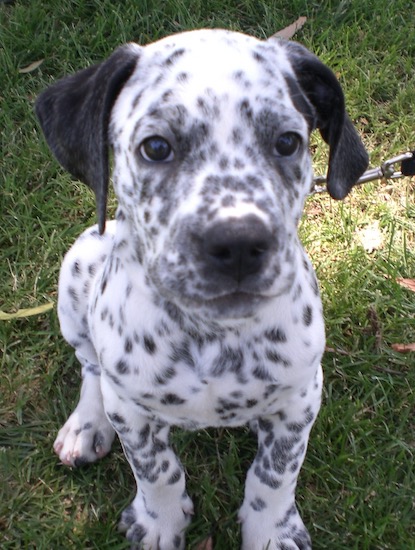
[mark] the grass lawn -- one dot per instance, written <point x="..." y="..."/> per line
<point x="356" y="489"/>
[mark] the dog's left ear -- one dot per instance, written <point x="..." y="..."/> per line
<point x="348" y="158"/>
<point x="74" y="115"/>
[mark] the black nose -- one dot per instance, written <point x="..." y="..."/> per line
<point x="238" y="247"/>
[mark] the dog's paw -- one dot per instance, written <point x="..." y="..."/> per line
<point x="156" y="530"/>
<point x="83" y="438"/>
<point x="261" y="531"/>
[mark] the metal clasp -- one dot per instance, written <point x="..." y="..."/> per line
<point x="384" y="171"/>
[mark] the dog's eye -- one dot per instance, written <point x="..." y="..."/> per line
<point x="288" y="144"/>
<point x="156" y="149"/>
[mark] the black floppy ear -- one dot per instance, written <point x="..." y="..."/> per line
<point x="74" y="115"/>
<point x="348" y="158"/>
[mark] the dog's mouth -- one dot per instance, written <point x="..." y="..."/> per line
<point x="216" y="301"/>
<point x="233" y="305"/>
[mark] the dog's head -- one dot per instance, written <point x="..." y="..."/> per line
<point x="210" y="133"/>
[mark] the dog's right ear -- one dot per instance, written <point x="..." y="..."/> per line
<point x="74" y="115"/>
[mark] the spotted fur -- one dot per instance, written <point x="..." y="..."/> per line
<point x="198" y="306"/>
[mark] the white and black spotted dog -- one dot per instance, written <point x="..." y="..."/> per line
<point x="197" y="306"/>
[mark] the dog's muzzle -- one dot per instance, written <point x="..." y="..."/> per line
<point x="226" y="268"/>
<point x="236" y="249"/>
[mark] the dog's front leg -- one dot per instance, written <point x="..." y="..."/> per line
<point x="87" y="435"/>
<point x="269" y="516"/>
<point x="161" y="510"/>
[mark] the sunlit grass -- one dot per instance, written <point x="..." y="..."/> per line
<point x="356" y="488"/>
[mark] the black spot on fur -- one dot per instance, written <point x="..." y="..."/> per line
<point x="114" y="378"/>
<point x="246" y="110"/>
<point x="297" y="292"/>
<point x="76" y="269"/>
<point x="292" y="511"/>
<point x="261" y="373"/>
<point x="143" y="436"/>
<point x="128" y="345"/>
<point x="182" y="352"/>
<point x="103" y="285"/>
<point x="275" y="357"/>
<point x="149" y="344"/>
<point x="223" y="162"/>
<point x="258" y="504"/>
<point x="298" y="427"/>
<point x="276" y="335"/>
<point x="175" y="477"/>
<point x="174" y="57"/>
<point x="237" y="136"/>
<point x="282" y="452"/>
<point x="165" y="376"/>
<point x="116" y="418"/>
<point x="177" y="541"/>
<point x="74" y="297"/>
<point x="314" y="286"/>
<point x="230" y="360"/>
<point x="307" y="316"/>
<point x="270" y="389"/>
<point x="266" y="478"/>
<point x="182" y="77"/>
<point x="136" y="533"/>
<point x="92" y="268"/>
<point x="172" y="399"/>
<point x="228" y="201"/>
<point x="122" y="367"/>
<point x="258" y="57"/>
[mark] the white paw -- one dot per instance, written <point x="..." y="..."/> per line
<point x="84" y="438"/>
<point x="157" y="529"/>
<point x="261" y="530"/>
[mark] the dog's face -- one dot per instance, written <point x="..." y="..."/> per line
<point x="210" y="152"/>
<point x="210" y="133"/>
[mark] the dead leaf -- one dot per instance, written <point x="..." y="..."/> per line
<point x="206" y="544"/>
<point x="22" y="313"/>
<point x="314" y="209"/>
<point x="403" y="348"/>
<point x="336" y="350"/>
<point x="32" y="67"/>
<point x="407" y="283"/>
<point x="290" y="31"/>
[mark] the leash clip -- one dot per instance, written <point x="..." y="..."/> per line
<point x="385" y="171"/>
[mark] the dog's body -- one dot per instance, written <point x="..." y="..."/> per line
<point x="198" y="306"/>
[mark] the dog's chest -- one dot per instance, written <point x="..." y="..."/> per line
<point x="182" y="372"/>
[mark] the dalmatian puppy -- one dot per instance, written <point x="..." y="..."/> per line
<point x="198" y="306"/>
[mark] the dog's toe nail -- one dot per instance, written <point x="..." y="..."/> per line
<point x="80" y="461"/>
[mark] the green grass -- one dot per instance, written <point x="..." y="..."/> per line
<point x="356" y="487"/>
